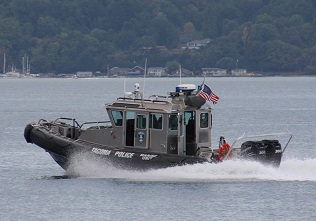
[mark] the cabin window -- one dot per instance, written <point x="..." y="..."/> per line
<point x="204" y="120"/>
<point x="117" y="117"/>
<point x="141" y="121"/>
<point x="173" y="122"/>
<point x="156" y="121"/>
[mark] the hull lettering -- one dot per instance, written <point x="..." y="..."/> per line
<point x="101" y="151"/>
<point x="147" y="156"/>
<point x="123" y="154"/>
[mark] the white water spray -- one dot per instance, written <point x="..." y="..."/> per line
<point x="231" y="170"/>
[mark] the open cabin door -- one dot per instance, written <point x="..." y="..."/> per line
<point x="129" y="128"/>
<point x="190" y="132"/>
<point x="186" y="133"/>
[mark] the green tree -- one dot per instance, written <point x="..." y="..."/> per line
<point x="172" y="66"/>
<point x="264" y="32"/>
<point x="164" y="32"/>
<point x="226" y="62"/>
<point x="52" y="54"/>
<point x="47" y="26"/>
<point x="87" y="61"/>
<point x="281" y="56"/>
<point x="40" y="63"/>
<point x="120" y="11"/>
<point x="255" y="56"/>
<point x="125" y="39"/>
<point x="145" y="41"/>
<point x="10" y="33"/>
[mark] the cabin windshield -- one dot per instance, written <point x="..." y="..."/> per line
<point x="117" y="117"/>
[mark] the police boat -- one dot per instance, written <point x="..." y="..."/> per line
<point x="152" y="133"/>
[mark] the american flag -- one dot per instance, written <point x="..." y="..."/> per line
<point x="207" y="94"/>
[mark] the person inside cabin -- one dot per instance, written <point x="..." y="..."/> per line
<point x="223" y="149"/>
<point x="204" y="120"/>
<point x="173" y="122"/>
<point x="190" y="130"/>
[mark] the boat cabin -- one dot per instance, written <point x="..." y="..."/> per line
<point x="176" y="124"/>
<point x="171" y="124"/>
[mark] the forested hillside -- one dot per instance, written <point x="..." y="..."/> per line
<point x="65" y="36"/>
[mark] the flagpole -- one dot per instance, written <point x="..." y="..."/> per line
<point x="201" y="84"/>
<point x="145" y="77"/>
<point x="203" y="79"/>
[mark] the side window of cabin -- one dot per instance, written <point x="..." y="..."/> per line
<point x="141" y="121"/>
<point x="173" y="122"/>
<point x="117" y="117"/>
<point x="204" y="120"/>
<point x="155" y="121"/>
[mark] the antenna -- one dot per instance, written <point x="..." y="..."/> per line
<point x="23" y="64"/>
<point x="145" y="77"/>
<point x="180" y="72"/>
<point x="124" y="86"/>
<point x="27" y="64"/>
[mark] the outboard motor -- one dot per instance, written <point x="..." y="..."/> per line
<point x="265" y="151"/>
<point x="254" y="150"/>
<point x="273" y="152"/>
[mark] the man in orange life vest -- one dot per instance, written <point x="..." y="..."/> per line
<point x="223" y="148"/>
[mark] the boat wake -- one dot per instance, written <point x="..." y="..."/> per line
<point x="290" y="170"/>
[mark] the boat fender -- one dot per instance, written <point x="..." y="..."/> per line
<point x="27" y="133"/>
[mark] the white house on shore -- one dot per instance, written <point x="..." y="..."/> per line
<point x="239" y="72"/>
<point x="197" y="44"/>
<point x="156" y="72"/>
<point x="215" y="72"/>
<point x="84" y="74"/>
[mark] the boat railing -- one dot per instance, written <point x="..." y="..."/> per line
<point x="74" y="122"/>
<point x="158" y="97"/>
<point x="244" y="136"/>
<point x="43" y="121"/>
<point x="141" y="100"/>
<point x="107" y="123"/>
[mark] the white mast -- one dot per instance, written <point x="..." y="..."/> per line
<point x="180" y="72"/>
<point x="27" y="64"/>
<point x="4" y="63"/>
<point x="145" y="72"/>
<point x="23" y="68"/>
